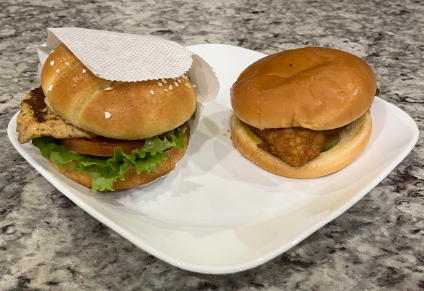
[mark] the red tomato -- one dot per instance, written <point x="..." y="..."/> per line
<point x="100" y="146"/>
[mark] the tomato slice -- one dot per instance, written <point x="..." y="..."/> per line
<point x="100" y="146"/>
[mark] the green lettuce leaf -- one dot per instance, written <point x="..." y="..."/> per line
<point x="104" y="171"/>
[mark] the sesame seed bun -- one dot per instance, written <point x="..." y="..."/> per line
<point x="120" y="110"/>
<point x="92" y="117"/>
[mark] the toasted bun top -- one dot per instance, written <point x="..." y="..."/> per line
<point x="121" y="110"/>
<point x="315" y="88"/>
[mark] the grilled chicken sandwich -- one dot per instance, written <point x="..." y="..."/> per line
<point x="106" y="135"/>
<point x="303" y="113"/>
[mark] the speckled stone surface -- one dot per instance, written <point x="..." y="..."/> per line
<point x="48" y="243"/>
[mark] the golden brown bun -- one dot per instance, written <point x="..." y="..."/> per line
<point x="120" y="110"/>
<point x="353" y="140"/>
<point x="315" y="88"/>
<point x="132" y="179"/>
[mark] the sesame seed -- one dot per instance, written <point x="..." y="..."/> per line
<point x="108" y="88"/>
<point x="84" y="70"/>
<point x="164" y="81"/>
<point x="152" y="92"/>
<point x="166" y="90"/>
<point x="52" y="51"/>
<point x="66" y="63"/>
<point x="107" y="115"/>
<point x="160" y="84"/>
<point x="187" y="85"/>
<point x="179" y="80"/>
<point x="185" y="77"/>
<point x="176" y="84"/>
<point x="170" y="87"/>
<point x="51" y="63"/>
<point x="194" y="86"/>
<point x="57" y="71"/>
<point x="50" y="87"/>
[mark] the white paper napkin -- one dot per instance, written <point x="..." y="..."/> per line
<point x="129" y="57"/>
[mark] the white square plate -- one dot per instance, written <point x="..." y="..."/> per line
<point x="219" y="213"/>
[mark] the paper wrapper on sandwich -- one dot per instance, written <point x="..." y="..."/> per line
<point x="130" y="58"/>
<point x="126" y="57"/>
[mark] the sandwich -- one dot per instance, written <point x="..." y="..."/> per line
<point x="106" y="135"/>
<point x="303" y="113"/>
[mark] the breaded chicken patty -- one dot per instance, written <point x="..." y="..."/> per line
<point x="296" y="146"/>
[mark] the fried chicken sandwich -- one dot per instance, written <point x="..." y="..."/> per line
<point x="303" y="113"/>
<point x="103" y="134"/>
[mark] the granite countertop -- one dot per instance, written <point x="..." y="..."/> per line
<point x="48" y="243"/>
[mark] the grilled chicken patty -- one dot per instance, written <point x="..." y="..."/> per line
<point x="36" y="119"/>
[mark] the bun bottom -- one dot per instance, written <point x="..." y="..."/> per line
<point x="132" y="179"/>
<point x="353" y="140"/>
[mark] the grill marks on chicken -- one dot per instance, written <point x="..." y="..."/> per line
<point x="36" y="119"/>
<point x="296" y="146"/>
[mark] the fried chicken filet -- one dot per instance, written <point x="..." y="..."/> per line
<point x="296" y="146"/>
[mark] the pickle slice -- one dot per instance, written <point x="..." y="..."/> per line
<point x="330" y="142"/>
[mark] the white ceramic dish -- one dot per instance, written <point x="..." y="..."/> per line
<point x="219" y="213"/>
